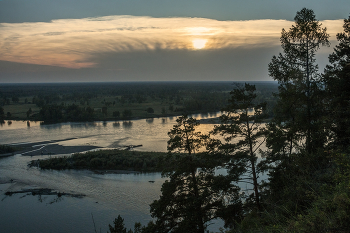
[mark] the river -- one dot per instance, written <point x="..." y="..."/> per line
<point x="106" y="195"/>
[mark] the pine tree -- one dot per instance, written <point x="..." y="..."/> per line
<point x="241" y="128"/>
<point x="118" y="226"/>
<point x="194" y="195"/>
<point x="298" y="112"/>
<point x="337" y="83"/>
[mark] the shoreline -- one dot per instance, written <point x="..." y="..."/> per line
<point x="50" y="147"/>
<point x="177" y="114"/>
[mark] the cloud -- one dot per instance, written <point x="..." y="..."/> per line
<point x="79" y="43"/>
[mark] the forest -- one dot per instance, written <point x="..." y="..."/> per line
<point x="69" y="102"/>
<point x="306" y="158"/>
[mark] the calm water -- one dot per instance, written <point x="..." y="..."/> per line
<point x="106" y="195"/>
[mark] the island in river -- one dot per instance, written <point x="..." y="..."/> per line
<point x="105" y="161"/>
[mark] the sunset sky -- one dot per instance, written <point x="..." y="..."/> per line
<point x="155" y="40"/>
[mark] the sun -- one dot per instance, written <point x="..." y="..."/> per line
<point x="199" y="43"/>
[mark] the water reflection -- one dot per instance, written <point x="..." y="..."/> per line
<point x="50" y="126"/>
<point x="127" y="124"/>
<point x="83" y="125"/>
<point x="150" y="120"/>
<point x="204" y="115"/>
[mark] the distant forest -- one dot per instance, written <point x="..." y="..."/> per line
<point x="58" y="102"/>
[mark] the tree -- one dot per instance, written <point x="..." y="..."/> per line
<point x="104" y="110"/>
<point x="241" y="128"/>
<point x="116" y="114"/>
<point x="194" y="195"/>
<point x="150" y="110"/>
<point x="15" y="99"/>
<point x="118" y="226"/>
<point x="300" y="84"/>
<point x="337" y="83"/>
<point x="2" y="114"/>
<point x="29" y="112"/>
<point x="127" y="113"/>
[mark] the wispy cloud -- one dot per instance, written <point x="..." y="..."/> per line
<point x="73" y="43"/>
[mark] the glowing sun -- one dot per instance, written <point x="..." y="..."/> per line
<point x="199" y="43"/>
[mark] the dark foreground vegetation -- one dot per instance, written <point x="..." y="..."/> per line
<point x="117" y="101"/>
<point x="307" y="156"/>
<point x="105" y="160"/>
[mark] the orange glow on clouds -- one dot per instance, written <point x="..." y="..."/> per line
<point x="72" y="43"/>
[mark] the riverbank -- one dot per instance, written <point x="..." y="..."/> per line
<point x="146" y="116"/>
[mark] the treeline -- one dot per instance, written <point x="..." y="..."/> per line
<point x="165" y="98"/>
<point x="61" y="113"/>
<point x="105" y="160"/>
<point x="306" y="153"/>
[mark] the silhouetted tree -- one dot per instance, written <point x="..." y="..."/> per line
<point x="337" y="80"/>
<point x="29" y="112"/>
<point x="118" y="226"/>
<point x="127" y="113"/>
<point x="104" y="111"/>
<point x="150" y="110"/>
<point x="299" y="109"/>
<point x="2" y="115"/>
<point x="241" y="128"/>
<point x="116" y="114"/>
<point x="194" y="195"/>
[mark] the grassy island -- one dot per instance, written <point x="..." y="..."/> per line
<point x="105" y="160"/>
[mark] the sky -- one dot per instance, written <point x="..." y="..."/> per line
<point x="151" y="40"/>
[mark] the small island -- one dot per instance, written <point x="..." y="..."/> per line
<point x="105" y="161"/>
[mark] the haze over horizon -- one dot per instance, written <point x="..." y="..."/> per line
<point x="113" y="41"/>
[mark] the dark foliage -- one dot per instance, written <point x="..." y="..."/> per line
<point x="106" y="160"/>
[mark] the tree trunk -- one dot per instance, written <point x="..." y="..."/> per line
<point x="198" y="207"/>
<point x="255" y="179"/>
